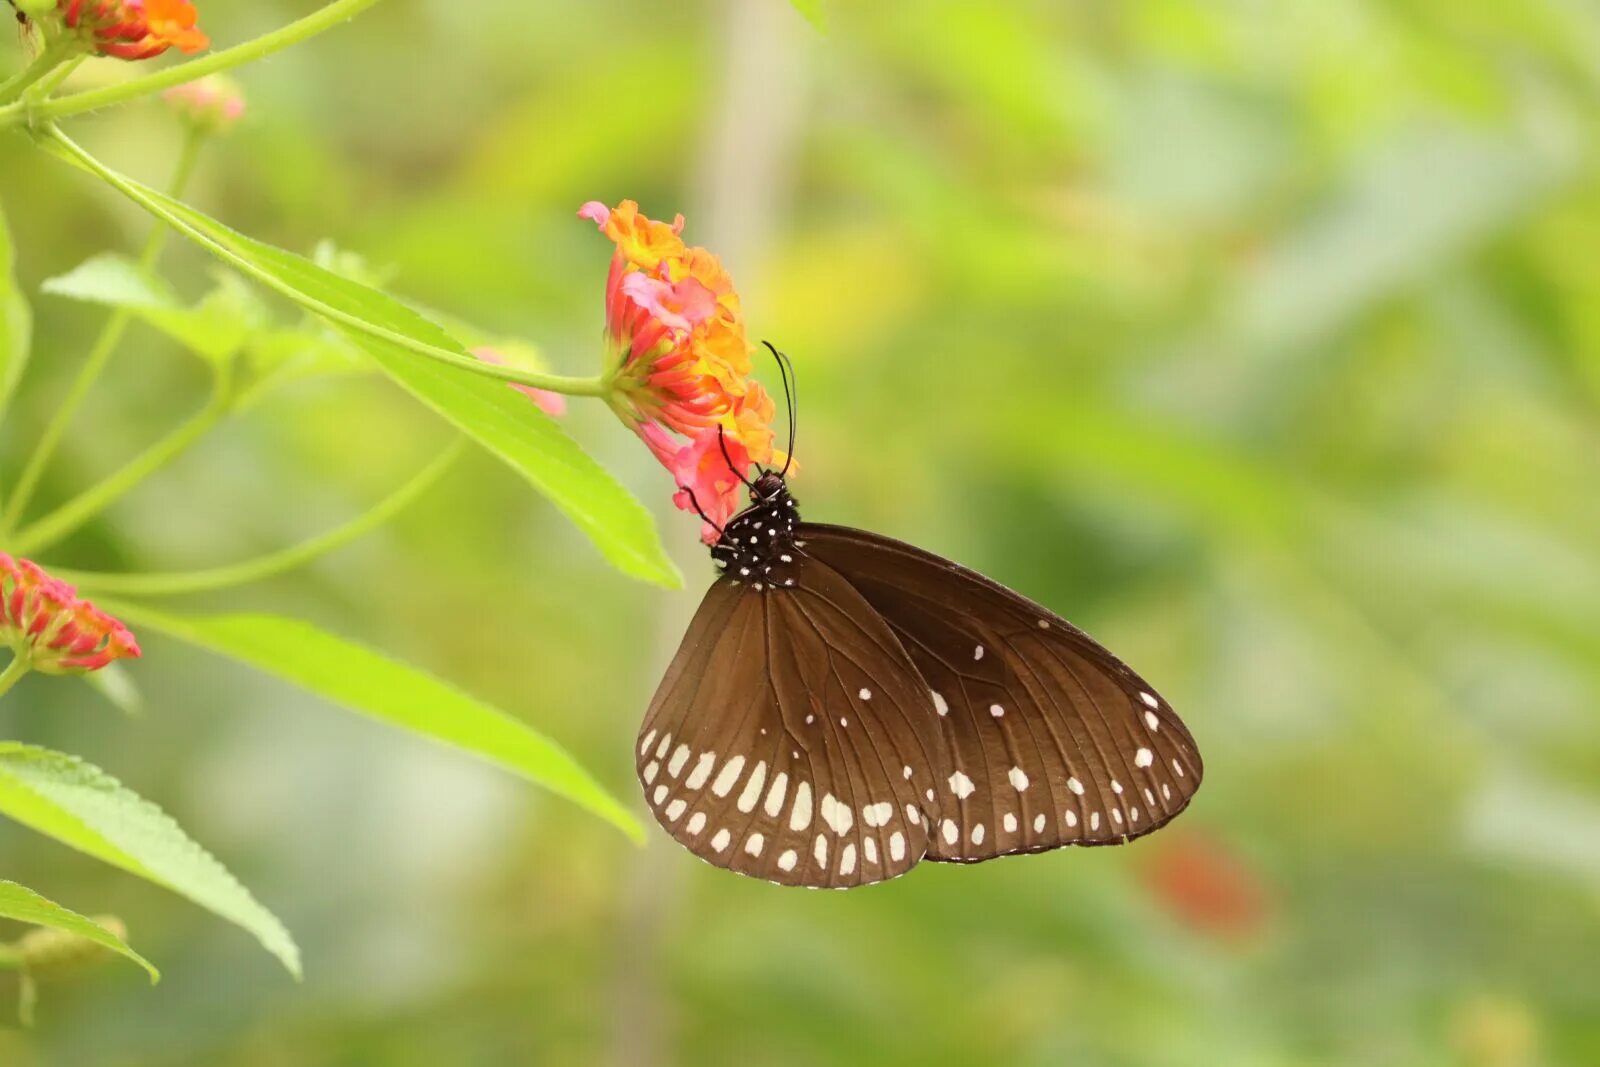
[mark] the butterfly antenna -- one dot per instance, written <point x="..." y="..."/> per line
<point x="791" y="390"/>
<point x="722" y="443"/>
<point x="706" y="518"/>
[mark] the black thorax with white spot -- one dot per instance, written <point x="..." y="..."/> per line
<point x="758" y="545"/>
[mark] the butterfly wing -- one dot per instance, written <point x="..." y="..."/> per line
<point x="778" y="743"/>
<point x="1051" y="739"/>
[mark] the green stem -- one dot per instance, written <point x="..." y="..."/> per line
<point x="104" y="346"/>
<point x="13" y="673"/>
<point x="75" y="512"/>
<point x="179" y="583"/>
<point x="556" y="383"/>
<point x="48" y="59"/>
<point x="265" y="45"/>
<point x="50" y="84"/>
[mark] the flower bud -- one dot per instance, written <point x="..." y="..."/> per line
<point x="211" y="104"/>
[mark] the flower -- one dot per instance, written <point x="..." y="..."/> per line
<point x="44" y="620"/>
<point x="678" y="361"/>
<point x="135" y="29"/>
<point x="549" y="403"/>
<point x="1205" y="885"/>
<point x="211" y="104"/>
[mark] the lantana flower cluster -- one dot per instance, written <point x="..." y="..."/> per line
<point x="678" y="361"/>
<point x="45" y="622"/>
<point x="135" y="29"/>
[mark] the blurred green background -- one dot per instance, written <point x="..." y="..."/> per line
<point x="1263" y="341"/>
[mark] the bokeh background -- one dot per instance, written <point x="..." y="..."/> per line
<point x="1262" y="340"/>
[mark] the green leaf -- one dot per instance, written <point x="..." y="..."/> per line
<point x="81" y="806"/>
<point x="112" y="280"/>
<point x="24" y="905"/>
<point x="812" y="11"/>
<point x="16" y="322"/>
<point x="214" y="329"/>
<point x="391" y="692"/>
<point x="497" y="417"/>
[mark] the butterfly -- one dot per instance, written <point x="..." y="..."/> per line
<point x="845" y="705"/>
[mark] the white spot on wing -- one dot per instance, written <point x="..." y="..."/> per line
<point x="819" y="851"/>
<point x="720" y="842"/>
<point x="1151" y="721"/>
<point x="727" y="776"/>
<point x="977" y="652"/>
<point x="996" y="710"/>
<point x="838" y="816"/>
<point x="847" y="859"/>
<point x="938" y="703"/>
<point x="878" y="814"/>
<point x="961" y="785"/>
<point x="780" y="786"/>
<point x="650" y="771"/>
<point x="1071" y="817"/>
<point x="1094" y="822"/>
<point x="702" y="770"/>
<point x="1019" y="778"/>
<point x="977" y="834"/>
<point x="1075" y="785"/>
<point x="697" y="822"/>
<point x="788" y="860"/>
<point x="950" y="832"/>
<point x="1010" y="823"/>
<point x="869" y="849"/>
<point x="1149" y="698"/>
<point x="661" y="793"/>
<point x="679" y="758"/>
<point x="800" y="814"/>
<point x="676" y="809"/>
<point x="897" y="846"/>
<point x="1038" y="823"/>
<point x="752" y="788"/>
<point x="1143" y="758"/>
<point x="661" y="749"/>
<point x="754" y="843"/>
<point x="864" y="693"/>
<point x="649" y="738"/>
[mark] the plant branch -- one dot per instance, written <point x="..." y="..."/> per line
<point x="14" y="671"/>
<point x="555" y="383"/>
<point x="51" y="56"/>
<point x="180" y="582"/>
<point x="292" y="34"/>
<point x="75" y="512"/>
<point x="104" y="347"/>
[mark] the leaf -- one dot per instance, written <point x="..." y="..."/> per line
<point x="392" y="692"/>
<point x="812" y="11"/>
<point x="81" y="806"/>
<point x="16" y="321"/>
<point x="214" y="329"/>
<point x="112" y="280"/>
<point x="24" y="905"/>
<point x="497" y="417"/>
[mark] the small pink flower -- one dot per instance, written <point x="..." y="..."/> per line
<point x="553" y="404"/>
<point x="214" y="103"/>
<point x="43" y="620"/>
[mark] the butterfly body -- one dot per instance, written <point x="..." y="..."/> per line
<point x="845" y="705"/>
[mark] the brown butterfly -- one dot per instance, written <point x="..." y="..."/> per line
<point x="845" y="705"/>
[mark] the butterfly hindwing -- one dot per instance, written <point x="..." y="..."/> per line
<point x="1048" y="738"/>
<point x="778" y="743"/>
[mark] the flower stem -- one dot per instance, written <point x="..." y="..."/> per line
<point x="265" y="45"/>
<point x="178" y="583"/>
<point x="13" y="673"/>
<point x="83" y="507"/>
<point x="104" y="346"/>
<point x="49" y="58"/>
<point x="555" y="383"/>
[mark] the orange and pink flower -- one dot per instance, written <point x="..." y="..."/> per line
<point x="135" y="29"/>
<point x="678" y="361"/>
<point x="45" y="622"/>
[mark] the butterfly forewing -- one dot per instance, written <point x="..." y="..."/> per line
<point x="780" y="741"/>
<point x="1047" y="738"/>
